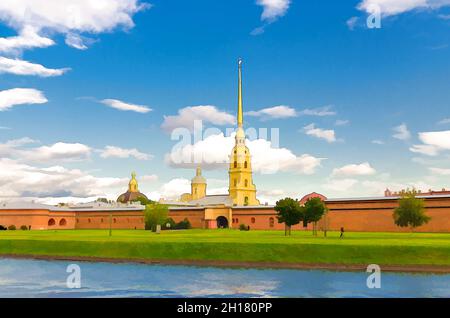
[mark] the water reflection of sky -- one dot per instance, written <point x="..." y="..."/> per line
<point x="35" y="278"/>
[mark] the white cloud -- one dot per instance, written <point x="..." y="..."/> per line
<point x="32" y="18"/>
<point x="75" y="41"/>
<point x="276" y="112"/>
<point x="401" y="132"/>
<point x="440" y="171"/>
<point x="351" y="23"/>
<point x="20" y="96"/>
<point x="427" y="150"/>
<point x="21" y="67"/>
<point x="120" y="105"/>
<point x="27" y="39"/>
<point x="328" y="135"/>
<point x="59" y="151"/>
<point x="117" y="152"/>
<point x="186" y="117"/>
<point x="433" y="143"/>
<point x="320" y="111"/>
<point x="171" y="190"/>
<point x="214" y="151"/>
<point x="273" y="9"/>
<point x="340" y="185"/>
<point x="341" y="122"/>
<point x="394" y="7"/>
<point x="363" y="169"/>
<point x="378" y="142"/>
<point x="444" y="121"/>
<point x="19" y="180"/>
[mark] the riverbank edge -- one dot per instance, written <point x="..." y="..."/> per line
<point x="430" y="269"/>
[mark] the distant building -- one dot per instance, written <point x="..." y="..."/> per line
<point x="133" y="193"/>
<point x="389" y="193"/>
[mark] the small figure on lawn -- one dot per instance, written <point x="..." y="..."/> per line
<point x="342" y="233"/>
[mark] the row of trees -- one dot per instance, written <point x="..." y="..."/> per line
<point x="409" y="213"/>
<point x="290" y="212"/>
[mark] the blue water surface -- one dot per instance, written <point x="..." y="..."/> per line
<point x="38" y="278"/>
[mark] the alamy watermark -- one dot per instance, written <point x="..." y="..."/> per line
<point x="73" y="280"/>
<point x="374" y="279"/>
<point x="190" y="151"/>
<point x="374" y="19"/>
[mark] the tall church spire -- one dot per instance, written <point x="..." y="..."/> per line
<point x="240" y="114"/>
<point x="241" y="188"/>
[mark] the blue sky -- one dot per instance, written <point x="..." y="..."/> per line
<point x="361" y="109"/>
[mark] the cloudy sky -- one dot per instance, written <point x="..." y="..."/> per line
<point x="92" y="90"/>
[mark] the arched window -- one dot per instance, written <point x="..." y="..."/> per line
<point x="51" y="222"/>
<point x="235" y="182"/>
<point x="253" y="220"/>
<point x="62" y="222"/>
<point x="246" y="201"/>
<point x="246" y="183"/>
<point x="245" y="165"/>
<point x="237" y="220"/>
<point x="235" y="164"/>
<point x="89" y="220"/>
<point x="195" y="190"/>
<point x="271" y="222"/>
<point x="101" y="220"/>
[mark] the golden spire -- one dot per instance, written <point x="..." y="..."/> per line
<point x="133" y="185"/>
<point x="240" y="115"/>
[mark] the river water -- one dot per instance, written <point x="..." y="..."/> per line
<point x="38" y="278"/>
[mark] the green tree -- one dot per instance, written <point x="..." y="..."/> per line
<point x="289" y="213"/>
<point x="313" y="210"/>
<point x="155" y="214"/>
<point x="410" y="211"/>
<point x="144" y="201"/>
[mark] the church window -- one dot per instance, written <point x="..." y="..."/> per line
<point x="246" y="201"/>
<point x="235" y="164"/>
<point x="271" y="222"/>
<point x="246" y="183"/>
<point x="245" y="165"/>
<point x="253" y="220"/>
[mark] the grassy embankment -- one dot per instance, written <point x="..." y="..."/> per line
<point x="233" y="245"/>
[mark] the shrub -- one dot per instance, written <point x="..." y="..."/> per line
<point x="243" y="227"/>
<point x="2" y="228"/>
<point x="183" y="225"/>
<point x="12" y="227"/>
<point x="172" y="224"/>
<point x="24" y="228"/>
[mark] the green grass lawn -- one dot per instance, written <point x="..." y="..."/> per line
<point x="234" y="245"/>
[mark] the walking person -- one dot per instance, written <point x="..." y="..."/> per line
<point x="342" y="233"/>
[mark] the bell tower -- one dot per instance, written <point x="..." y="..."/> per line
<point x="241" y="187"/>
<point x="198" y="185"/>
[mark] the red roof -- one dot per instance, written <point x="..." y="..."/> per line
<point x="310" y="196"/>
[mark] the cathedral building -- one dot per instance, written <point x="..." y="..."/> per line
<point x="212" y="211"/>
